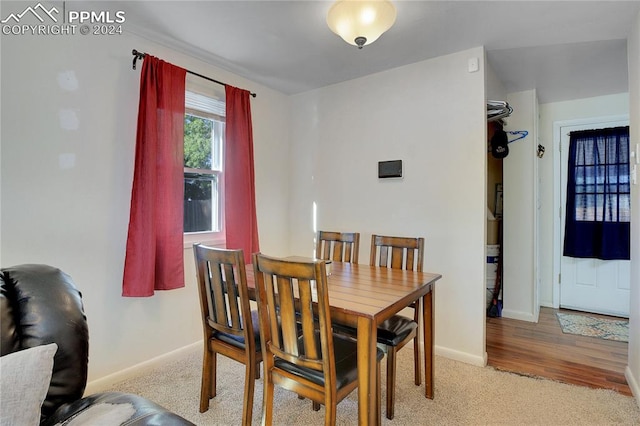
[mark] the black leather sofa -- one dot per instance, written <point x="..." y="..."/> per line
<point x="40" y="305"/>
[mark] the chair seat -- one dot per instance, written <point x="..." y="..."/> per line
<point x="395" y="330"/>
<point x="238" y="341"/>
<point x="346" y="358"/>
<point x="390" y="333"/>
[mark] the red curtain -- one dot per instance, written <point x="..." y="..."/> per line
<point x="154" y="258"/>
<point x="241" y="224"/>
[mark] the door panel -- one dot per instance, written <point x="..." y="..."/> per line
<point x="595" y="285"/>
<point x="591" y="285"/>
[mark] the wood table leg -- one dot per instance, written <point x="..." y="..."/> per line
<point x="428" y="320"/>
<point x="367" y="367"/>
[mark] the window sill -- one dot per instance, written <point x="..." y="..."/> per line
<point x="213" y="239"/>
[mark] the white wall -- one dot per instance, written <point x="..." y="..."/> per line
<point x="601" y="106"/>
<point x="69" y="108"/>
<point x="633" y="369"/>
<point x="494" y="89"/>
<point x="519" y="293"/>
<point x="430" y="115"/>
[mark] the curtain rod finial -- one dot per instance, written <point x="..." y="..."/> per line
<point x="136" y="55"/>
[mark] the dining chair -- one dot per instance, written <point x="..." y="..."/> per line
<point x="230" y="326"/>
<point x="338" y="246"/>
<point x="394" y="333"/>
<point x="300" y="352"/>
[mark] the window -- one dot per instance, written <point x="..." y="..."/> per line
<point x="601" y="176"/>
<point x="204" y="129"/>
<point x="597" y="223"/>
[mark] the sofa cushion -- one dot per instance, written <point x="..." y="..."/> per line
<point x="25" y="381"/>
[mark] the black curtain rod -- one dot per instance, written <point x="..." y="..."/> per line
<point x="140" y="55"/>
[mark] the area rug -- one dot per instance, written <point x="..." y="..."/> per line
<point x="601" y="328"/>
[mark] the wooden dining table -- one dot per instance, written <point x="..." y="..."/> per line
<point x="364" y="296"/>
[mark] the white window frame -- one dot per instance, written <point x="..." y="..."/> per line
<point x="210" y="108"/>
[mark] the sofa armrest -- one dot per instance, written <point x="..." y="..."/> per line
<point x="145" y="412"/>
<point x="41" y="305"/>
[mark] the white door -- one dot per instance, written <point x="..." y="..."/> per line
<point x="591" y="285"/>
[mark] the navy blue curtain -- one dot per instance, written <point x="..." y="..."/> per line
<point x="598" y="195"/>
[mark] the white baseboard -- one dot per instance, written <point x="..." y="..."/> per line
<point x="518" y="315"/>
<point x="467" y="358"/>
<point x="106" y="382"/>
<point x="633" y="384"/>
<point x="456" y="355"/>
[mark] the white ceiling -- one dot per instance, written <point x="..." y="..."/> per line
<point x="564" y="49"/>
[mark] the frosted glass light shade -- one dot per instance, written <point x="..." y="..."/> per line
<point x="361" y="22"/>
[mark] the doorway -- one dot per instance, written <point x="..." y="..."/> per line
<point x="590" y="285"/>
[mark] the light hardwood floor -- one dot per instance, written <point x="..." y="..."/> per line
<point x="542" y="349"/>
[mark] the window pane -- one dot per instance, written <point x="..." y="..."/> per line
<point x="218" y="138"/>
<point x="625" y="208"/>
<point x="198" y="137"/>
<point x="584" y="209"/>
<point x="201" y="204"/>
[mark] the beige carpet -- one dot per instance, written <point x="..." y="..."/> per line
<point x="464" y="395"/>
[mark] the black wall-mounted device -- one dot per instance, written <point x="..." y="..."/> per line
<point x="390" y="169"/>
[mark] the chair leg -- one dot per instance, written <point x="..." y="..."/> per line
<point x="391" y="381"/>
<point x="208" y="382"/>
<point x="315" y="406"/>
<point x="416" y="360"/>
<point x="247" y="410"/>
<point x="267" y="400"/>
<point x="214" y="375"/>
<point x="378" y="396"/>
<point x="416" y="345"/>
<point x="330" y="409"/>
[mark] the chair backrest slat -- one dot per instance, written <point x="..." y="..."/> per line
<point x="348" y="251"/>
<point x="310" y="348"/>
<point x="232" y="296"/>
<point x="337" y="251"/>
<point x="409" y="261"/>
<point x="383" y="256"/>
<point x="288" y="325"/>
<point x="217" y="294"/>
<point x="397" y="258"/>
<point x="272" y="306"/>
<point x="326" y="251"/>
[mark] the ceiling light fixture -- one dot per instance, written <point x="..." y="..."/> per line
<point x="361" y="22"/>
